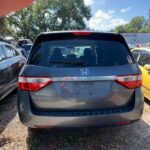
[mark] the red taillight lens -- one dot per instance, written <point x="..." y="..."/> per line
<point x="130" y="81"/>
<point x="33" y="83"/>
<point x="81" y="33"/>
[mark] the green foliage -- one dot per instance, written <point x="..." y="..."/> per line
<point x="136" y="25"/>
<point x="49" y="15"/>
<point x="120" y="29"/>
<point x="2" y="25"/>
<point x="4" y="28"/>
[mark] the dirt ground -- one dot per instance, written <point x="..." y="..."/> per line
<point x="15" y="136"/>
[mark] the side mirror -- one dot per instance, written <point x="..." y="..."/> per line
<point x="147" y="67"/>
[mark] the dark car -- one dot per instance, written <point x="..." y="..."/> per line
<point x="23" y="52"/>
<point x="79" y="78"/>
<point x="10" y="66"/>
<point x="27" y="48"/>
<point x="22" y="42"/>
<point x="10" y="40"/>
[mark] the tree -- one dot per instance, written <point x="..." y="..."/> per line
<point x="146" y="28"/>
<point x="137" y="22"/>
<point x="2" y="24"/>
<point x="136" y="25"/>
<point x="4" y="29"/>
<point x="120" y="29"/>
<point x="49" y="15"/>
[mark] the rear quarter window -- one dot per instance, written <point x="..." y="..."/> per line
<point x="76" y="52"/>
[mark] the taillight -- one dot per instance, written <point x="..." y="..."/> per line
<point x="33" y="83"/>
<point x="130" y="81"/>
<point x="81" y="33"/>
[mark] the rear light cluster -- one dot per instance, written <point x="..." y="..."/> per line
<point x="33" y="83"/>
<point x="130" y="81"/>
<point x="36" y="83"/>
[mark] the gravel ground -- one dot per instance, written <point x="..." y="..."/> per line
<point x="15" y="136"/>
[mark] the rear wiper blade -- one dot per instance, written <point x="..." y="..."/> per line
<point x="67" y="62"/>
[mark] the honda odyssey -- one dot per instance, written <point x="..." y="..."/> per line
<point x="79" y="79"/>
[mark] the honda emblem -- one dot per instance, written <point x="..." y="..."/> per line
<point x="84" y="71"/>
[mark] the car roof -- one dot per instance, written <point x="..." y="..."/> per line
<point x="45" y="35"/>
<point x="24" y="40"/>
<point x="73" y="31"/>
<point x="27" y="45"/>
<point x="9" y="38"/>
<point x="2" y="43"/>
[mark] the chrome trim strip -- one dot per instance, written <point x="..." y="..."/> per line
<point x="91" y="78"/>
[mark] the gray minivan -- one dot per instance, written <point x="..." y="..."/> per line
<point x="79" y="78"/>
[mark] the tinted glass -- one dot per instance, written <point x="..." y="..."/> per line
<point x="10" y="52"/>
<point x="72" y="53"/>
<point x="144" y="59"/>
<point x="136" y="55"/>
<point x="24" y="53"/>
<point x="26" y="47"/>
<point x="20" y="43"/>
<point x="2" y="56"/>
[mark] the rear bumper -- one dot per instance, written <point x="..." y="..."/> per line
<point x="34" y="121"/>
<point x="29" y="119"/>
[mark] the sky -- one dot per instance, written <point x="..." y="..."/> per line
<point x="107" y="14"/>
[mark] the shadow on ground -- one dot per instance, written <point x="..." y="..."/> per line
<point x="147" y="102"/>
<point x="134" y="136"/>
<point x="8" y="110"/>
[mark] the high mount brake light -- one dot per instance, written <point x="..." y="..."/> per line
<point x="130" y="81"/>
<point x="33" y="83"/>
<point x="81" y="33"/>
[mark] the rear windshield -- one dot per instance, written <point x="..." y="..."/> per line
<point x="80" y="52"/>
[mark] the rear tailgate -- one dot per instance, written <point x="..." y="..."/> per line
<point x="71" y="91"/>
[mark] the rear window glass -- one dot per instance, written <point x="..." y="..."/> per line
<point x="80" y="52"/>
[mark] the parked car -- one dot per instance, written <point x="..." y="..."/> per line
<point x="10" y="66"/>
<point x="10" y="40"/>
<point x="22" y="42"/>
<point x="79" y="78"/>
<point x="27" y="48"/>
<point x="142" y="57"/>
<point x="23" y="52"/>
